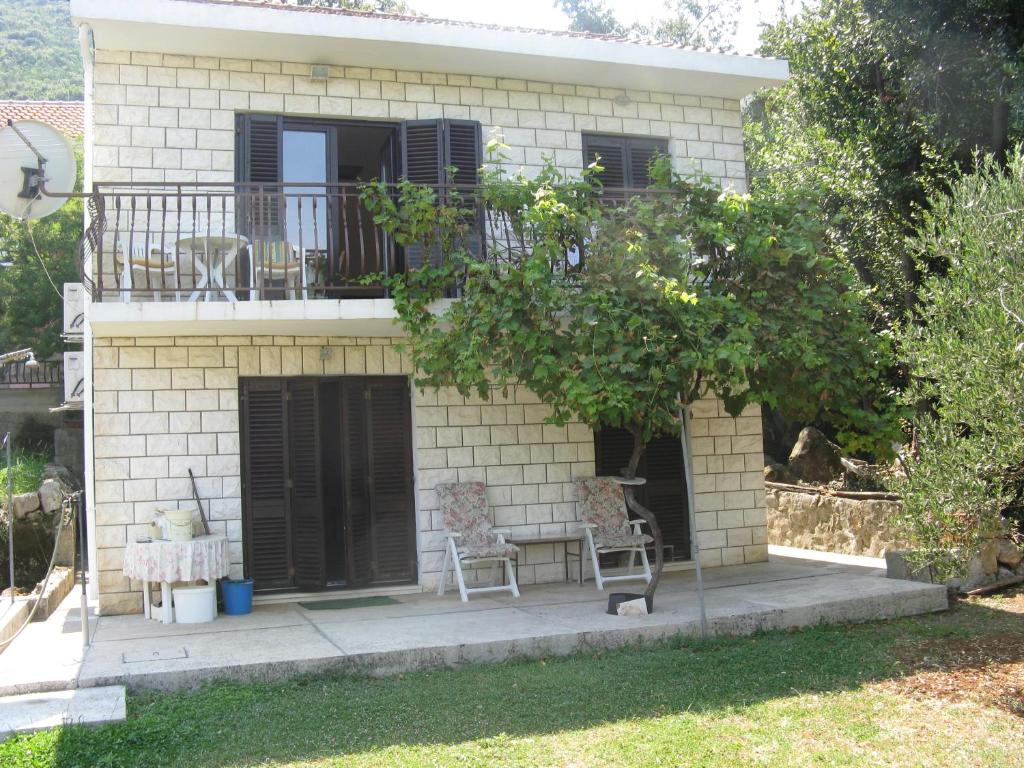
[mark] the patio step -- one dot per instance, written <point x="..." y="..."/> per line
<point x="37" y="711"/>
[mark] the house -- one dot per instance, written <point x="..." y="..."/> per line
<point x="230" y="332"/>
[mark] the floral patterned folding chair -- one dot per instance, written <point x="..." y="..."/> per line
<point x="607" y="527"/>
<point x="472" y="539"/>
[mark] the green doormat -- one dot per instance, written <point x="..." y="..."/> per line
<point x="351" y="602"/>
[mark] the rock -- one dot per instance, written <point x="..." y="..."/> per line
<point x="633" y="608"/>
<point x="1009" y="554"/>
<point x="25" y="504"/>
<point x="50" y="496"/>
<point x="815" y="459"/>
<point x="69" y="483"/>
<point x="983" y="568"/>
<point x="779" y="473"/>
<point x="897" y="567"/>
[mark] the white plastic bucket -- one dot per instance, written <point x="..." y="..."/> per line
<point x="194" y="605"/>
<point x="179" y="524"/>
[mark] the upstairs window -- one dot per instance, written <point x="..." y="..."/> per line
<point x="626" y="159"/>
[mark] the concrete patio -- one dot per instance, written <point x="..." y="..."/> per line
<point x="423" y="630"/>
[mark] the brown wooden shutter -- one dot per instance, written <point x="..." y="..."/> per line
<point x="429" y="148"/>
<point x="357" y="492"/>
<point x="259" y="163"/>
<point x="610" y="153"/>
<point x="389" y="450"/>
<point x="625" y="159"/>
<point x="307" y="511"/>
<point x="464" y="151"/>
<point x="265" y="474"/>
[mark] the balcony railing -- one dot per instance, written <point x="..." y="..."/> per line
<point x="249" y="242"/>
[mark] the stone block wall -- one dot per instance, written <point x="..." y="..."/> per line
<point x="162" y="117"/>
<point x="166" y="404"/>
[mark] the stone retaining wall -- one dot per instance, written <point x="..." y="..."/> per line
<point x="831" y="523"/>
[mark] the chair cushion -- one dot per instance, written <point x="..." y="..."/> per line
<point x="602" y="505"/>
<point x="274" y="255"/>
<point x="464" y="506"/>
<point x="623" y="540"/>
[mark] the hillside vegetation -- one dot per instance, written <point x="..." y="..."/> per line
<point x="39" y="55"/>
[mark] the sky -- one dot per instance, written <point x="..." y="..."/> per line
<point x="542" y="14"/>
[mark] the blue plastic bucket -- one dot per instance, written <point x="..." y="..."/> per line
<point x="237" y="596"/>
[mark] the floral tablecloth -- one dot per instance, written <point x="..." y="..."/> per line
<point x="204" y="557"/>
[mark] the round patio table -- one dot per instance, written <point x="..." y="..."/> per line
<point x="214" y="253"/>
<point x="203" y="557"/>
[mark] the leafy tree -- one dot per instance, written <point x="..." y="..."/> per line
<point x="966" y="362"/>
<point x="37" y="258"/>
<point x="886" y="103"/>
<point x="39" y="52"/>
<point x="682" y="290"/>
<point x="697" y="23"/>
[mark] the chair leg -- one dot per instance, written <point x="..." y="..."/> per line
<point x="593" y="558"/>
<point x="511" y="577"/>
<point x="126" y="282"/>
<point x="444" y="573"/>
<point x="458" y="573"/>
<point x="646" y="562"/>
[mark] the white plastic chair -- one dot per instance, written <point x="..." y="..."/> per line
<point x="150" y="259"/>
<point x="607" y="528"/>
<point x="471" y="539"/>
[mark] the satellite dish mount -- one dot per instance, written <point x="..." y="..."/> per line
<point x="32" y="178"/>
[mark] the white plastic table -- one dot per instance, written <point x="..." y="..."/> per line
<point x="214" y="254"/>
<point x="203" y="557"/>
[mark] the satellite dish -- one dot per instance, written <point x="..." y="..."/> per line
<point x="37" y="169"/>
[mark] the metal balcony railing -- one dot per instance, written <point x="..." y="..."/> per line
<point x="250" y="242"/>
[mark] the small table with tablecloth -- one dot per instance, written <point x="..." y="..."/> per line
<point x="204" y="557"/>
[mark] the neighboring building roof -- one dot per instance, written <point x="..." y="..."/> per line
<point x="66" y="116"/>
<point x="275" y="31"/>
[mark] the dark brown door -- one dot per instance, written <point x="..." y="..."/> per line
<point x="379" y="508"/>
<point x="665" y="491"/>
<point x="328" y="460"/>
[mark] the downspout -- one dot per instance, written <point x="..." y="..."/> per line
<point x="86" y="42"/>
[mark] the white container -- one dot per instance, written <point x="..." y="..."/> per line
<point x="179" y="524"/>
<point x="195" y="605"/>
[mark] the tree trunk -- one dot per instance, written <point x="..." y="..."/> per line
<point x="644" y="512"/>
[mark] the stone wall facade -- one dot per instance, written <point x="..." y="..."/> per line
<point x="164" y="405"/>
<point x="169" y="118"/>
<point x="831" y="523"/>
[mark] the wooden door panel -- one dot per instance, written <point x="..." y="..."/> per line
<point x="307" y="505"/>
<point x="390" y="452"/>
<point x="265" y="478"/>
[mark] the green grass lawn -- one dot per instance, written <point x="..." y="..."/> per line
<point x="872" y="695"/>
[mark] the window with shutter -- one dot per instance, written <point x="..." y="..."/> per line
<point x="625" y="159"/>
<point x="665" y="490"/>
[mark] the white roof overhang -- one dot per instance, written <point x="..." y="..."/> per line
<point x="245" y="31"/>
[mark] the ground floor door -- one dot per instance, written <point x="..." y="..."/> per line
<point x="665" y="491"/>
<point x="327" y="482"/>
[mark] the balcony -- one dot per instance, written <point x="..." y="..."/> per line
<point x="234" y="243"/>
<point x="250" y="258"/>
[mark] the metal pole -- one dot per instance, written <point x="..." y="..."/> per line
<point x="84" y="604"/>
<point x="10" y="515"/>
<point x="691" y="503"/>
